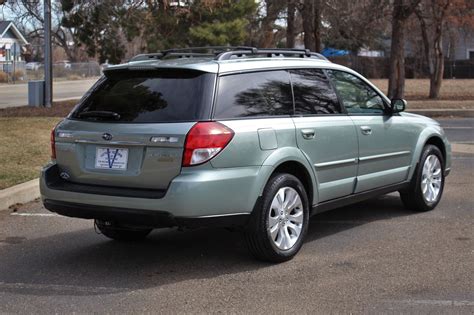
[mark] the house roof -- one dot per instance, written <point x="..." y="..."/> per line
<point x="9" y="25"/>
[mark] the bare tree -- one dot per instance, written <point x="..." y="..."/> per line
<point x="402" y="10"/>
<point x="29" y="14"/>
<point x="290" y="24"/>
<point x="311" y="13"/>
<point x="353" y="25"/>
<point x="273" y="8"/>
<point x="433" y="16"/>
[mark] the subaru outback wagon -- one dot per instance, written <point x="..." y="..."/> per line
<point x="256" y="138"/>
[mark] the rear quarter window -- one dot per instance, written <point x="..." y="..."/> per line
<point x="255" y="94"/>
<point x="314" y="94"/>
<point x="150" y="96"/>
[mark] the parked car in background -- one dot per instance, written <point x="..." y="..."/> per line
<point x="256" y="138"/>
<point x="66" y="64"/>
<point x="33" y="66"/>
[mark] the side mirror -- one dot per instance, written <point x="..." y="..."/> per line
<point x="398" y="105"/>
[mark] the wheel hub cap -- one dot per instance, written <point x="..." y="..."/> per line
<point x="285" y="218"/>
<point x="431" y="178"/>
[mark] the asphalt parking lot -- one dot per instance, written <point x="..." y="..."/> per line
<point x="372" y="257"/>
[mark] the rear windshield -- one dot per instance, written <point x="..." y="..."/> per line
<point x="149" y="96"/>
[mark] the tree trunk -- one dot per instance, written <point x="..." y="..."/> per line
<point x="308" y="23"/>
<point x="396" y="81"/>
<point x="273" y="8"/>
<point x="437" y="77"/>
<point x="433" y="47"/>
<point x="290" y="24"/>
<point x="317" y="26"/>
<point x="426" y="41"/>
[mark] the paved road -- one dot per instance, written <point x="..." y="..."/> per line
<point x="370" y="257"/>
<point x="17" y="94"/>
<point x="459" y="130"/>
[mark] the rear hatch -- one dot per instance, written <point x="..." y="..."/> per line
<point x="129" y="130"/>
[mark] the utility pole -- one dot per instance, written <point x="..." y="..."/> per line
<point x="48" y="62"/>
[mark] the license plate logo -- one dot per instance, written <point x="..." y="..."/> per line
<point x="111" y="158"/>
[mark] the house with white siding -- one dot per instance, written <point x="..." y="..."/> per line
<point x="12" y="44"/>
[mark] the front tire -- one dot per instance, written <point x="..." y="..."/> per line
<point x="279" y="222"/>
<point x="427" y="184"/>
<point x="120" y="233"/>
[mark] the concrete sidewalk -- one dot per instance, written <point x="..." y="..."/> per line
<point x="12" y="95"/>
<point x="443" y="112"/>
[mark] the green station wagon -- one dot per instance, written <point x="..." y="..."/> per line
<point x="255" y="138"/>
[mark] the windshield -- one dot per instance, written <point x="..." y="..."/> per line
<point x="149" y="96"/>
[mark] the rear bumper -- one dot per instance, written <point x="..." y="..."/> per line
<point x="137" y="217"/>
<point x="194" y="194"/>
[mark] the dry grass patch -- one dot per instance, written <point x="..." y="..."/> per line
<point x="24" y="148"/>
<point x="59" y="109"/>
<point x="416" y="89"/>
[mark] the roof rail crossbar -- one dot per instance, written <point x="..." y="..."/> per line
<point x="143" y="57"/>
<point x="208" y="49"/>
<point x="270" y="52"/>
<point x="187" y="55"/>
<point x="189" y="52"/>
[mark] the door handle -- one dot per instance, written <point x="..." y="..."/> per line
<point x="308" y="134"/>
<point x="366" y="130"/>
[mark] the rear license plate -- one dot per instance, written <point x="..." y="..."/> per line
<point x="111" y="158"/>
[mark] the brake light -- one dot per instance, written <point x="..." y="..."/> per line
<point x="53" y="144"/>
<point x="204" y="141"/>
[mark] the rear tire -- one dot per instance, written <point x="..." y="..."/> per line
<point x="427" y="184"/>
<point x="120" y="233"/>
<point x="279" y="222"/>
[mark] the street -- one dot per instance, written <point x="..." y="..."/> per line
<point x="17" y="94"/>
<point x="371" y="257"/>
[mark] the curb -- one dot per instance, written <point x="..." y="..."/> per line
<point x="466" y="113"/>
<point x="67" y="99"/>
<point x="20" y="193"/>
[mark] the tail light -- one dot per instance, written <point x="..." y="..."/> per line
<point x="53" y="144"/>
<point x="204" y="141"/>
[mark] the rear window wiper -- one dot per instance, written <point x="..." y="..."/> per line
<point x="100" y="114"/>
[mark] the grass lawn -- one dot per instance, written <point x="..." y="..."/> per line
<point x="456" y="93"/>
<point x="25" y="147"/>
<point x="416" y="89"/>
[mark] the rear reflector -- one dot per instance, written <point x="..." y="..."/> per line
<point x="204" y="141"/>
<point x="53" y="144"/>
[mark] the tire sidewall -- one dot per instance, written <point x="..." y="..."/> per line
<point x="429" y="150"/>
<point x="275" y="183"/>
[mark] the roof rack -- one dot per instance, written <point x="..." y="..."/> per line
<point x="270" y="52"/>
<point x="215" y="50"/>
<point x="143" y="57"/>
<point x="189" y="52"/>
<point x="228" y="52"/>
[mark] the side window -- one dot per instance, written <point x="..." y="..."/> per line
<point x="313" y="93"/>
<point x="355" y="94"/>
<point x="254" y="94"/>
